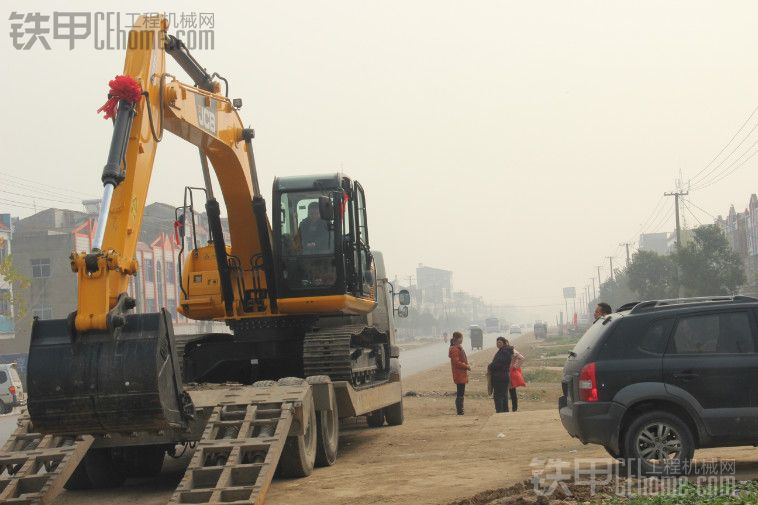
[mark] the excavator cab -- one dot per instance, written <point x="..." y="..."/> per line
<point x="321" y="245"/>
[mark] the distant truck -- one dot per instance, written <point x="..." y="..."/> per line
<point x="492" y="325"/>
<point x="540" y="330"/>
<point x="477" y="337"/>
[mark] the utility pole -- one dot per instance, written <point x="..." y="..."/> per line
<point x="599" y="281"/>
<point x="628" y="259"/>
<point x="594" y="295"/>
<point x="676" y="195"/>
<point x="610" y="258"/>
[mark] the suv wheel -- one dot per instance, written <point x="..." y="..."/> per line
<point x="658" y="442"/>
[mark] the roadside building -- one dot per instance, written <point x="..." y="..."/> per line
<point x="654" y="242"/>
<point x="434" y="289"/>
<point x="6" y="289"/>
<point x="741" y="230"/>
<point x="42" y="244"/>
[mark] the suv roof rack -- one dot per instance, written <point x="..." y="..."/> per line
<point x="626" y="306"/>
<point x="698" y="300"/>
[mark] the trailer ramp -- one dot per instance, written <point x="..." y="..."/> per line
<point x="34" y="467"/>
<point x="236" y="458"/>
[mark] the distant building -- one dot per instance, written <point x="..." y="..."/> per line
<point x="435" y="285"/>
<point x="6" y="290"/>
<point x="655" y="242"/>
<point x="43" y="242"/>
<point x="741" y="230"/>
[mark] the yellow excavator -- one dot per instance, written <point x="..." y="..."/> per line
<point x="303" y="298"/>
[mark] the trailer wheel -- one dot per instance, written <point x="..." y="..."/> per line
<point x="299" y="453"/>
<point x="394" y="414"/>
<point x="79" y="480"/>
<point x="375" y="419"/>
<point x="103" y="469"/>
<point x="140" y="461"/>
<point x="328" y="430"/>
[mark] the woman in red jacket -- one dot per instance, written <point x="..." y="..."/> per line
<point x="460" y="366"/>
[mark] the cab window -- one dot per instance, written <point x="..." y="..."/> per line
<point x="306" y="242"/>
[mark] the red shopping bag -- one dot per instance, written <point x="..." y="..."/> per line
<point x="517" y="378"/>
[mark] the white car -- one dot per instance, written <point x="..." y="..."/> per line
<point x="11" y="390"/>
<point x="515" y="329"/>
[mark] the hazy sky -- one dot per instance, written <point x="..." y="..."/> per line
<point x="515" y="143"/>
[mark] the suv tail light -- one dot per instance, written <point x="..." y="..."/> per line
<point x="12" y="390"/>
<point x="588" y="383"/>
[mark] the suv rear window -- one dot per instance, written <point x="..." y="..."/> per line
<point x="725" y="333"/>
<point x="655" y="337"/>
<point x="593" y="335"/>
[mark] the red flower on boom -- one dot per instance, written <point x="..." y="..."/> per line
<point x="123" y="87"/>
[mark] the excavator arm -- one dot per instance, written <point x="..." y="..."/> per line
<point x="103" y="370"/>
<point x="198" y="114"/>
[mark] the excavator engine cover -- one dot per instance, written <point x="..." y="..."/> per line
<point x="102" y="382"/>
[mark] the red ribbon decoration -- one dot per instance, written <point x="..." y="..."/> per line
<point x="123" y="87"/>
<point x="177" y="226"/>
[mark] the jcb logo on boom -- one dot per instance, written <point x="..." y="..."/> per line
<point x="206" y="115"/>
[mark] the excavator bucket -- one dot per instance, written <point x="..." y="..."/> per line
<point x="102" y="382"/>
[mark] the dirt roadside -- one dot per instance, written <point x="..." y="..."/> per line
<point x="436" y="457"/>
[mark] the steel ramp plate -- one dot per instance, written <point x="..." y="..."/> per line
<point x="236" y="458"/>
<point x="34" y="467"/>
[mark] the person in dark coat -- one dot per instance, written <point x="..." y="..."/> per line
<point x="500" y="371"/>
<point x="460" y="366"/>
<point x="313" y="232"/>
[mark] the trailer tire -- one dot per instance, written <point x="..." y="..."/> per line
<point x="103" y="470"/>
<point x="394" y="414"/>
<point x="264" y="384"/>
<point x="328" y="430"/>
<point x="375" y="419"/>
<point x="141" y="461"/>
<point x="291" y="381"/>
<point x="299" y="453"/>
<point x="79" y="480"/>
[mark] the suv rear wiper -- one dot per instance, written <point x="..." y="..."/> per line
<point x="572" y="354"/>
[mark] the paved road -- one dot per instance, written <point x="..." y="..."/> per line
<point x="7" y="425"/>
<point x="428" y="356"/>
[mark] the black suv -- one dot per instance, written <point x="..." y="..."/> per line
<point x="658" y="379"/>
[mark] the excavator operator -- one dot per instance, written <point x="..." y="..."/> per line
<point x="314" y="232"/>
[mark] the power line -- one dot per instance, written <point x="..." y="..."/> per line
<point x="653" y="216"/>
<point x="37" y="197"/>
<point x="38" y="189"/>
<point x="695" y="177"/>
<point x="730" y="172"/>
<point x="701" y="209"/>
<point x="687" y="207"/>
<point x="16" y="204"/>
<point x="37" y="183"/>
<point x="665" y="220"/>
